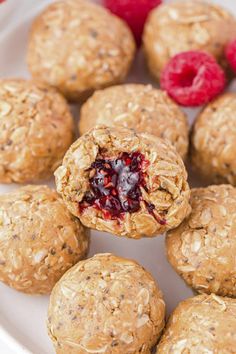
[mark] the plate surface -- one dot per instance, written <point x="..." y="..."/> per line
<point x="22" y="317"/>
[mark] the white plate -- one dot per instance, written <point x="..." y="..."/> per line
<point x="22" y="317"/>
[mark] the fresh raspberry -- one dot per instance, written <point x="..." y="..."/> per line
<point x="193" y="78"/>
<point x="134" y="12"/>
<point x="230" y="53"/>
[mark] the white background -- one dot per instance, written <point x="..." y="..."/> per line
<point x="22" y="318"/>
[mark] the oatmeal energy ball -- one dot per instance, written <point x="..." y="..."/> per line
<point x="77" y="47"/>
<point x="139" y="107"/>
<point x="108" y="305"/>
<point x="126" y="183"/>
<point x="40" y="239"/>
<point x="213" y="148"/>
<point x="36" y="130"/>
<point x="202" y="324"/>
<point x="202" y="249"/>
<point x="186" y="25"/>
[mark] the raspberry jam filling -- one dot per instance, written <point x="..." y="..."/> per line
<point x="115" y="187"/>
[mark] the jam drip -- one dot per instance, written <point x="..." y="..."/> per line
<point x="115" y="185"/>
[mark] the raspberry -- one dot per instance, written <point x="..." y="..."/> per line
<point x="230" y="53"/>
<point x="134" y="12"/>
<point x="193" y="78"/>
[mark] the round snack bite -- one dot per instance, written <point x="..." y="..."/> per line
<point x="129" y="184"/>
<point x="213" y="147"/>
<point x="202" y="324"/>
<point x="202" y="249"/>
<point x="139" y="107"/>
<point x="108" y="305"/>
<point x="36" y="130"/>
<point x="183" y="26"/>
<point x="40" y="239"/>
<point x="77" y="47"/>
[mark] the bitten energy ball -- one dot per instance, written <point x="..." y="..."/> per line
<point x="78" y="46"/>
<point x="129" y="184"/>
<point x="202" y="249"/>
<point x="213" y="141"/>
<point x="40" y="239"/>
<point x="202" y="324"/>
<point x="186" y="25"/>
<point x="108" y="305"/>
<point x="139" y="107"/>
<point x="36" y="130"/>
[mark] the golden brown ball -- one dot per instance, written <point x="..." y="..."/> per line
<point x="213" y="147"/>
<point x="106" y="304"/>
<point x="78" y="47"/>
<point x="36" y="130"/>
<point x="202" y="324"/>
<point x="40" y="239"/>
<point x="139" y="107"/>
<point x="202" y="249"/>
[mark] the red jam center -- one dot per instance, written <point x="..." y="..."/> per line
<point x="115" y="185"/>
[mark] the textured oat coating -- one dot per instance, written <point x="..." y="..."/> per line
<point x="186" y="25"/>
<point x="213" y="147"/>
<point x="36" y="130"/>
<point x="108" y="305"/>
<point x="203" y="248"/>
<point x="166" y="181"/>
<point x="78" y="46"/>
<point x="204" y="324"/>
<point x="39" y="239"/>
<point x="139" y="107"/>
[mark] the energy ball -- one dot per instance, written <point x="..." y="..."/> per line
<point x="202" y="324"/>
<point x="203" y="248"/>
<point x="139" y="107"/>
<point x="186" y="25"/>
<point x="40" y="239"/>
<point x="213" y="140"/>
<point x="108" y="305"/>
<point x="78" y="47"/>
<point x="125" y="183"/>
<point x="36" y="130"/>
